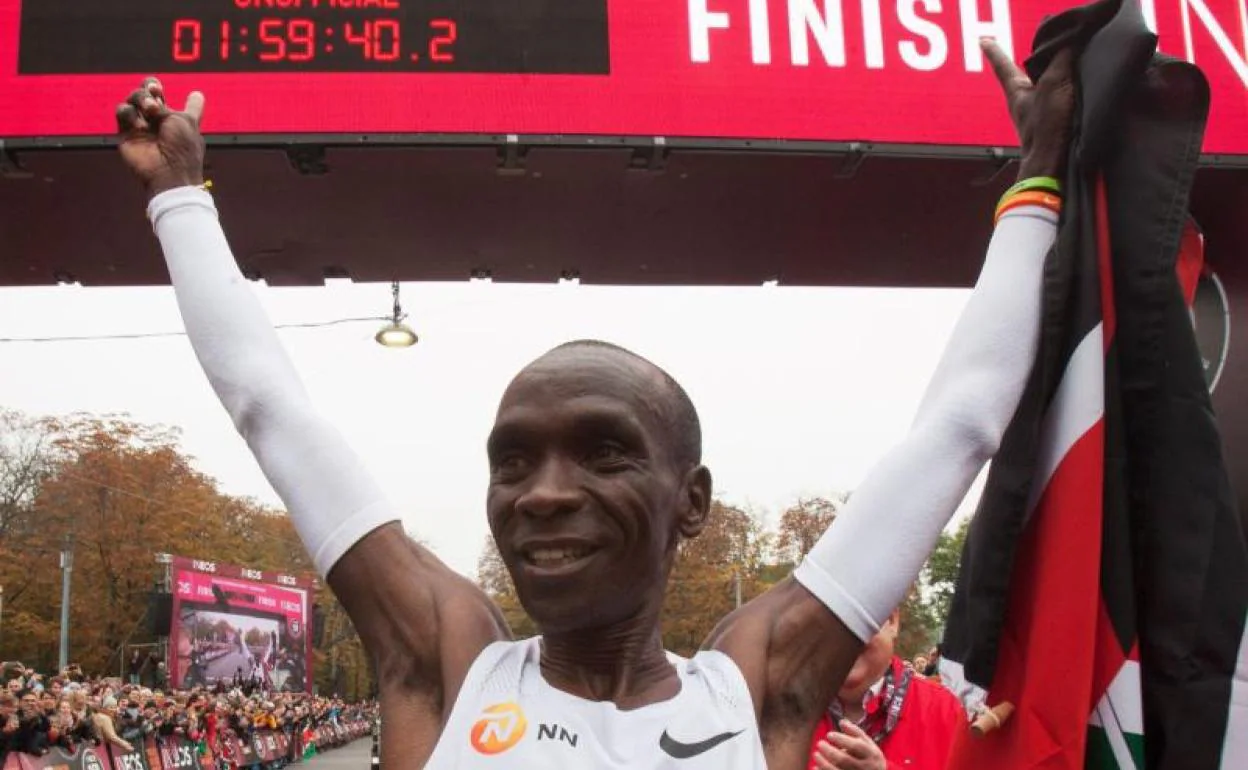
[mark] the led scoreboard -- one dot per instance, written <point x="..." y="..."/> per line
<point x="128" y="36"/>
<point x="906" y="72"/>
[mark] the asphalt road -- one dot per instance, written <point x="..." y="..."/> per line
<point x="226" y="666"/>
<point x="354" y="756"/>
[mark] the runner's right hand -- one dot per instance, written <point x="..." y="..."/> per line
<point x="162" y="147"/>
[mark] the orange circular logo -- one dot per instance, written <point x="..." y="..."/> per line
<point x="500" y="727"/>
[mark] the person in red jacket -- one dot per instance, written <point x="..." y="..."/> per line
<point x="886" y="717"/>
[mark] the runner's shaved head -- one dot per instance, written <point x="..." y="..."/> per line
<point x="672" y="402"/>
<point x="597" y="450"/>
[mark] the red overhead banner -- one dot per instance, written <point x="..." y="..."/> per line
<point x="907" y="72"/>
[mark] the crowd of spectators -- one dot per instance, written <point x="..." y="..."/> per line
<point x="38" y="713"/>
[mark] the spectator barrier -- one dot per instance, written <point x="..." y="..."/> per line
<point x="263" y="749"/>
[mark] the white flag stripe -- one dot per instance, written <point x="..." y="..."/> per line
<point x="1078" y="405"/>
<point x="1235" y="745"/>
<point x="1126" y="699"/>
<point x="1104" y="718"/>
<point x="953" y="677"/>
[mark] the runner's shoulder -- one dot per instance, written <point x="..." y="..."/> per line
<point x="462" y="621"/>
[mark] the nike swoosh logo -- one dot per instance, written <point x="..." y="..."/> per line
<point x="677" y="750"/>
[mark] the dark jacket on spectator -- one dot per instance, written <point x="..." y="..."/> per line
<point x="32" y="735"/>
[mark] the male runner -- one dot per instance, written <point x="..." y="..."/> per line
<point x="595" y="477"/>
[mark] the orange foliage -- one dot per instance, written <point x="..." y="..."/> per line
<point x="802" y="525"/>
<point x="120" y="492"/>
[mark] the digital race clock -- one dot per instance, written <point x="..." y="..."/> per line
<point x="908" y="73"/>
<point x="494" y="36"/>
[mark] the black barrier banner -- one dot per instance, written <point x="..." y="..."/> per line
<point x="85" y="758"/>
<point x="271" y="751"/>
<point x="126" y="760"/>
<point x="178" y="753"/>
<point x="245" y="754"/>
<point x="261" y="744"/>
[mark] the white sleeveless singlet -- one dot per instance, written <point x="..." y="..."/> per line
<point x="508" y="718"/>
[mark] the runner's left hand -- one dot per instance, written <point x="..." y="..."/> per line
<point x="1042" y="112"/>
<point x="850" y="750"/>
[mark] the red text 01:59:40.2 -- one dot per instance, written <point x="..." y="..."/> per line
<point x="317" y="46"/>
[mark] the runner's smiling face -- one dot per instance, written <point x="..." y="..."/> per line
<point x="587" y="499"/>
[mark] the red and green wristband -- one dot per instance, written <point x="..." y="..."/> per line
<point x="1044" y="191"/>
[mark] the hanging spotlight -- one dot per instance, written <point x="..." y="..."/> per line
<point x="396" y="334"/>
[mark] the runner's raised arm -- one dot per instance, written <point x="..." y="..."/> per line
<point x="394" y="589"/>
<point x="796" y="643"/>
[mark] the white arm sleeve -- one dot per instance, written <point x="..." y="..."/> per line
<point x="862" y="567"/>
<point x="333" y="500"/>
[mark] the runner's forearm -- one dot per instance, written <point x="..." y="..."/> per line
<point x="862" y="566"/>
<point x="333" y="500"/>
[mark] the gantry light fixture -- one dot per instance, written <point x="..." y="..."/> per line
<point x="396" y="334"/>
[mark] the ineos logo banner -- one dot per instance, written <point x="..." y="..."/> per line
<point x="1211" y="316"/>
<point x="1207" y="303"/>
<point x="178" y="756"/>
<point x="246" y="751"/>
<point x="131" y="761"/>
<point x="91" y="762"/>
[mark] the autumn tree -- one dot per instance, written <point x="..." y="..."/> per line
<point x="803" y="524"/>
<point x="342" y="666"/>
<point x="26" y="458"/>
<point x="926" y="608"/>
<point x="918" y="625"/>
<point x="710" y="570"/>
<point x="117" y="493"/>
<point x="494" y="579"/>
<point x="940" y="574"/>
<point x="25" y="461"/>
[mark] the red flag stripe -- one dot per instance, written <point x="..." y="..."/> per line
<point x="1191" y="261"/>
<point x="1045" y="665"/>
<point x="1108" y="652"/>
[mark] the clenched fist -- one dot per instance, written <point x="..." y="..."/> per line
<point x="162" y="147"/>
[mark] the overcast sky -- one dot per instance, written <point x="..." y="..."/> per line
<point x="799" y="390"/>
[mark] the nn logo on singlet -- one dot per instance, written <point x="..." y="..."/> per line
<point x="500" y="727"/>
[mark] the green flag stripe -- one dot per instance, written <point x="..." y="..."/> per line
<point x="1100" y="753"/>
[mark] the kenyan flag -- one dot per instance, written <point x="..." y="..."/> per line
<point x="1116" y="729"/>
<point x="1105" y="578"/>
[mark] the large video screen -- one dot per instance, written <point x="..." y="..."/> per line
<point x="908" y="72"/>
<point x="238" y="626"/>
